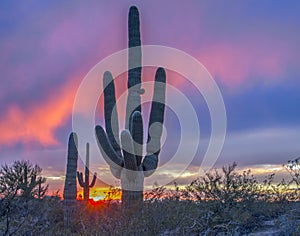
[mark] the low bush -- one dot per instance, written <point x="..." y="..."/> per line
<point x="224" y="202"/>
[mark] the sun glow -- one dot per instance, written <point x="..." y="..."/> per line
<point x="101" y="194"/>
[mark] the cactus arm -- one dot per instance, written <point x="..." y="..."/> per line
<point x="93" y="181"/>
<point x="136" y="131"/>
<point x="149" y="164"/>
<point x="128" y="152"/>
<point x="80" y="179"/>
<point x="110" y="112"/>
<point x="110" y="156"/>
<point x="157" y="113"/>
<point x="156" y="120"/>
<point x="106" y="149"/>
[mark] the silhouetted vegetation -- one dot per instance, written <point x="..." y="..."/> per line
<point x="223" y="202"/>
<point x="84" y="182"/>
<point x="293" y="167"/>
<point x="125" y="159"/>
<point x="22" y="189"/>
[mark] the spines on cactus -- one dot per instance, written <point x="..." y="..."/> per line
<point x="127" y="163"/>
<point x="85" y="184"/>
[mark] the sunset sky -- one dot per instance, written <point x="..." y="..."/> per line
<point x="251" y="48"/>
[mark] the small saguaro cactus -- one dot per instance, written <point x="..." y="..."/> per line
<point x="70" y="188"/>
<point x="86" y="185"/>
<point x="128" y="164"/>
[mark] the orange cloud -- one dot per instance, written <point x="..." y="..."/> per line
<point x="38" y="122"/>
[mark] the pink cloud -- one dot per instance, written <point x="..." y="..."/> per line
<point x="236" y="64"/>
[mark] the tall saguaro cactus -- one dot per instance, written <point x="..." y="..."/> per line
<point x="127" y="162"/>
<point x="70" y="188"/>
<point x="85" y="184"/>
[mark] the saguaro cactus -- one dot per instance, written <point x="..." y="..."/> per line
<point x="128" y="164"/>
<point x="70" y="189"/>
<point x="86" y="184"/>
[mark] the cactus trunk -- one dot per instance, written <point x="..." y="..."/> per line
<point x="86" y="174"/>
<point x="70" y="189"/>
<point x="132" y="197"/>
<point x="134" y="63"/>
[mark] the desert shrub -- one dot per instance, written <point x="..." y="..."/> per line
<point x="289" y="223"/>
<point x="293" y="167"/>
<point x="21" y="187"/>
<point x="32" y="217"/>
<point x="23" y="179"/>
<point x="221" y="203"/>
<point x="224" y="202"/>
<point x="237" y="200"/>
